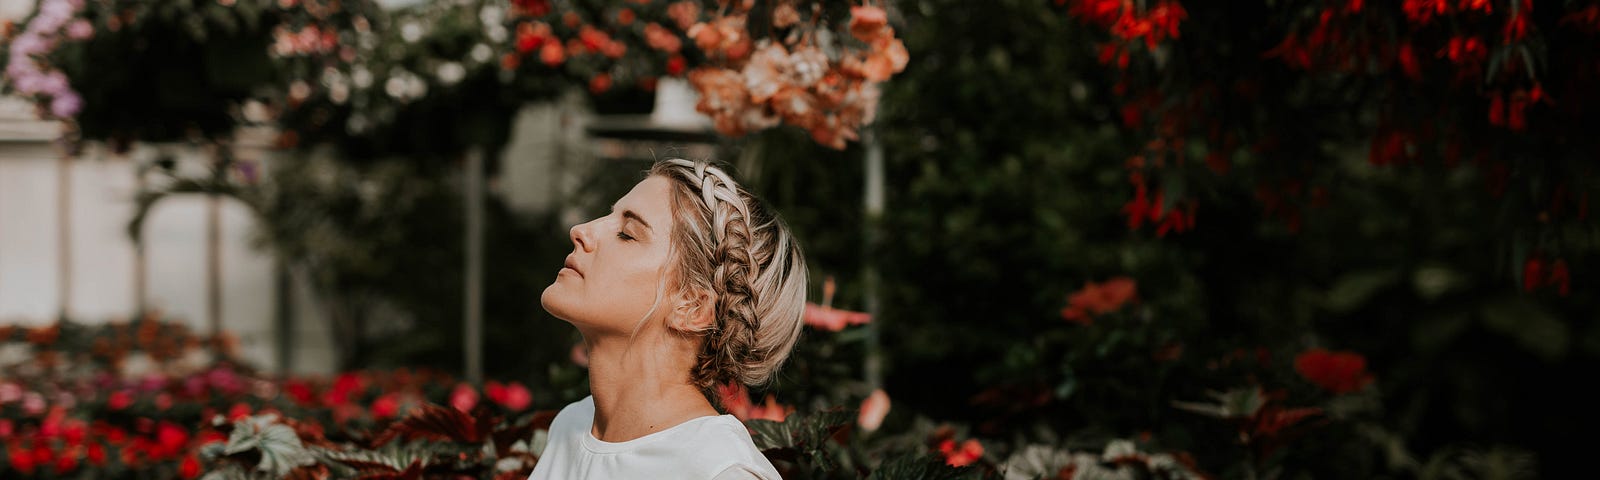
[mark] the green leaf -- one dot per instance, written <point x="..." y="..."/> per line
<point x="1434" y="333"/>
<point x="280" y="448"/>
<point x="921" y="466"/>
<point x="1353" y="290"/>
<point x="1529" y="325"/>
<point x="1432" y="282"/>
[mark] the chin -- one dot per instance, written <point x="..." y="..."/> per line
<point x="552" y="300"/>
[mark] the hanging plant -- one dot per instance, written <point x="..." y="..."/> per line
<point x="615" y="51"/>
<point x="792" y="62"/>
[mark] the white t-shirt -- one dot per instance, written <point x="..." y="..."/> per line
<point x="704" y="448"/>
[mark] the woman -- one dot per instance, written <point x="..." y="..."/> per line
<point x="687" y="284"/>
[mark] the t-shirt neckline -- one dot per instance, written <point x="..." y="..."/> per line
<point x="597" y="445"/>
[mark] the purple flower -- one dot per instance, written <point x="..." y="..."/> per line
<point x="66" y="105"/>
<point x="28" y="44"/>
<point x="52" y="15"/>
<point x="80" y="29"/>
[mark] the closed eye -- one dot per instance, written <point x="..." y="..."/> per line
<point x="625" y="237"/>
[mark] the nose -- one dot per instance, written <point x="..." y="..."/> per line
<point x="581" y="237"/>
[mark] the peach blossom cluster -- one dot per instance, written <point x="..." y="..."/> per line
<point x="750" y="85"/>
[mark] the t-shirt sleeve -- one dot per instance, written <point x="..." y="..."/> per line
<point x="739" y="472"/>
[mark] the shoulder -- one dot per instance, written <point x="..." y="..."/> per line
<point x="724" y="443"/>
<point x="577" y="415"/>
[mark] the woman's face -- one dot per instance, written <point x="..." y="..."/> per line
<point x="617" y="263"/>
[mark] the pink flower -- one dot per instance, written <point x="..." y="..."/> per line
<point x="464" y="397"/>
<point x="873" y="409"/>
<point x="832" y="319"/>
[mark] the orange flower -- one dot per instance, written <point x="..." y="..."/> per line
<point x="552" y="54"/>
<point x="593" y="39"/>
<point x="867" y="23"/>
<point x="1099" y="299"/>
<point x="1338" y="372"/>
<point x="659" y="38"/>
<point x="736" y="400"/>
<point x="764" y="74"/>
<point x="785" y="15"/>
<point x="684" y="13"/>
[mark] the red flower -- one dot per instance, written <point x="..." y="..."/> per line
<point x="533" y="8"/>
<point x="1586" y="19"/>
<point x="600" y="83"/>
<point x="970" y="451"/>
<point x="119" y="400"/>
<point x="1338" y="372"/>
<point x="1560" y="278"/>
<point x="238" y="411"/>
<point x="385" y="406"/>
<point x="512" y="396"/>
<point x="1408" y="62"/>
<point x="66" y="462"/>
<point x="676" y="64"/>
<point x="1516" y="27"/>
<point x="96" y="454"/>
<point x="527" y="41"/>
<point x="190" y="468"/>
<point x="42" y="455"/>
<point x="1422" y="11"/>
<point x="299" y="391"/>
<point x="21" y="460"/>
<point x="170" y="439"/>
<point x="1533" y="273"/>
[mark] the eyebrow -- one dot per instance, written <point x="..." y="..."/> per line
<point x="626" y="214"/>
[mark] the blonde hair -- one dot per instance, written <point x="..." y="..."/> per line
<point x="725" y="241"/>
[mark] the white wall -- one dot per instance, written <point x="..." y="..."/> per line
<point x="101" y="202"/>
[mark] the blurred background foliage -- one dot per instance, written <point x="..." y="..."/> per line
<point x="1013" y="146"/>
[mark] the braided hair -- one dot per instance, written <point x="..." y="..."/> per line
<point x="725" y="241"/>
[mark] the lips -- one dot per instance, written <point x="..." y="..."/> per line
<point x="572" y="264"/>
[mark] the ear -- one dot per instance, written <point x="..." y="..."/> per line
<point x="695" y="311"/>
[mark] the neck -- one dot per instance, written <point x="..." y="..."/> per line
<point x="642" y="386"/>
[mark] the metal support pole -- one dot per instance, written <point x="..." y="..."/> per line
<point x="873" y="203"/>
<point x="473" y="336"/>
